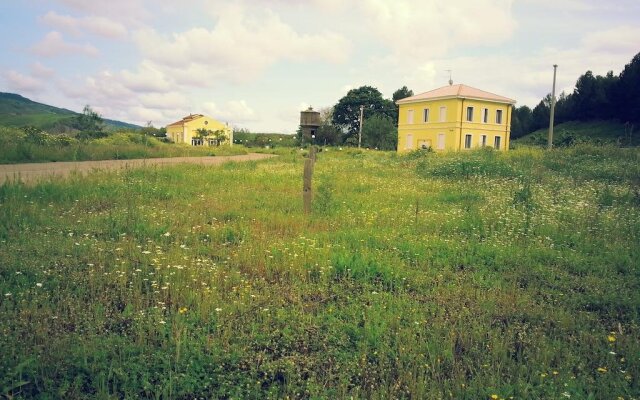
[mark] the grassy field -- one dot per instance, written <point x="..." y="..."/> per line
<point x="572" y="132"/>
<point x="464" y="276"/>
<point x="18" y="147"/>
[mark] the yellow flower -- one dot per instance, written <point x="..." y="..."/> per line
<point x="543" y="375"/>
<point x="495" y="396"/>
<point x="555" y="372"/>
<point x="611" y="338"/>
<point x="182" y="310"/>
<point x="602" y="369"/>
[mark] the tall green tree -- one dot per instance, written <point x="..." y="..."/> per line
<point x="627" y="92"/>
<point x="399" y="94"/>
<point x="379" y="132"/>
<point x="89" y="124"/>
<point x="521" y="120"/>
<point x="346" y="114"/>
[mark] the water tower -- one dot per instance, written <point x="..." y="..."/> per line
<point x="309" y="123"/>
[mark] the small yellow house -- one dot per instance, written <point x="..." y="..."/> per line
<point x="200" y="130"/>
<point x="454" y="117"/>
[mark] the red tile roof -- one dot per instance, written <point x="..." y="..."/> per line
<point x="456" y="91"/>
<point x="186" y="119"/>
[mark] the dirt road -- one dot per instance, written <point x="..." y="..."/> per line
<point x="31" y="173"/>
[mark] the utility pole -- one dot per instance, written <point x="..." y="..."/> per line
<point x="553" y="106"/>
<point x="360" y="131"/>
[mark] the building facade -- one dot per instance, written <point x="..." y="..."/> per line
<point x="200" y="130"/>
<point x="454" y="117"/>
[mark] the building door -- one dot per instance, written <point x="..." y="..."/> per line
<point x="440" y="141"/>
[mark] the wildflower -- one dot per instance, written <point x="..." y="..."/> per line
<point x="566" y="394"/>
<point x="146" y="252"/>
<point x="611" y="338"/>
<point x="182" y="310"/>
<point x="163" y="322"/>
<point x="7" y="294"/>
<point x="555" y="372"/>
<point x="167" y="234"/>
<point x="602" y="370"/>
<point x="218" y="309"/>
<point x="39" y="284"/>
<point x="495" y="397"/>
<point x="543" y="375"/>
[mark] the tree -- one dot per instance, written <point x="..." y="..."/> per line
<point x="540" y="114"/>
<point x="401" y="93"/>
<point x="627" y="92"/>
<point x="89" y="124"/>
<point x="346" y="114"/>
<point x="521" y="120"/>
<point x="379" y="132"/>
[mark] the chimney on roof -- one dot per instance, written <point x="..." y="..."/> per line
<point x="450" y="80"/>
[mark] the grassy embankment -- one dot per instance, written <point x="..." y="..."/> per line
<point x="426" y="276"/>
<point x="18" y="147"/>
<point x="594" y="132"/>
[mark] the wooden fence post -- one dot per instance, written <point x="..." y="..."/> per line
<point x="307" y="193"/>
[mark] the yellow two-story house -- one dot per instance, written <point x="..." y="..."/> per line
<point x="200" y="130"/>
<point x="454" y="117"/>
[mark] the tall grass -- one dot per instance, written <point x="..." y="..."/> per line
<point x="15" y="147"/>
<point x="413" y="277"/>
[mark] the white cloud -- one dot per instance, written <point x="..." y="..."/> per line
<point x="421" y="31"/>
<point x="129" y="12"/>
<point x="240" y="47"/>
<point x="235" y="111"/>
<point x="40" y="71"/>
<point x="148" y="78"/>
<point x="22" y="83"/>
<point x="54" y="45"/>
<point x="621" y="39"/>
<point x="100" y="26"/>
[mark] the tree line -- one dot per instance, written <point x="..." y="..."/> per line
<point x="608" y="97"/>
<point x="341" y="122"/>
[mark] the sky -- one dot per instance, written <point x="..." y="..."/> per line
<point x="257" y="64"/>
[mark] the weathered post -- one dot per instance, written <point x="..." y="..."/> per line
<point x="307" y="193"/>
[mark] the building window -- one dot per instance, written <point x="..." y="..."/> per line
<point x="469" y="113"/>
<point x="483" y="140"/>
<point x="498" y="116"/>
<point x="496" y="142"/>
<point x="467" y="141"/>
<point x="443" y="114"/>
<point x="485" y="115"/>
<point x="196" y="142"/>
<point x="425" y="115"/>
<point x="409" y="144"/>
<point x="410" y="117"/>
<point x="440" y="141"/>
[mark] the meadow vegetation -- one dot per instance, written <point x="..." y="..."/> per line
<point x="466" y="276"/>
<point x="34" y="145"/>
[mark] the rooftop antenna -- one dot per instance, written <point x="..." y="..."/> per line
<point x="450" y="80"/>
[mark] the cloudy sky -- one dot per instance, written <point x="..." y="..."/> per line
<point x="257" y="63"/>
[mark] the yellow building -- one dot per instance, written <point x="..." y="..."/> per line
<point x="454" y="117"/>
<point x="200" y="130"/>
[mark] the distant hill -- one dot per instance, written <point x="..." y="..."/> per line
<point x="16" y="110"/>
<point x="592" y="131"/>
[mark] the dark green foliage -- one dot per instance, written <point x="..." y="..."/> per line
<point x="346" y="114"/>
<point x="379" y="132"/>
<point x="596" y="97"/>
<point x="89" y="124"/>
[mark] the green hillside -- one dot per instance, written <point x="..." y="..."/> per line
<point x="17" y="111"/>
<point x="611" y="132"/>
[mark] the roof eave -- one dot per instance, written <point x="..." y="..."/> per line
<point x="404" y="101"/>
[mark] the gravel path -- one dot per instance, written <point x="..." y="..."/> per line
<point x="30" y="173"/>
